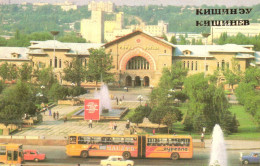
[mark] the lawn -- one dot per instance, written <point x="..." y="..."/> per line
<point x="248" y="129"/>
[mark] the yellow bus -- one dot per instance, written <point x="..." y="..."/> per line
<point x="148" y="146"/>
<point x="11" y="153"/>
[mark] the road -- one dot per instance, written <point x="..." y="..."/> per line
<point x="56" y="156"/>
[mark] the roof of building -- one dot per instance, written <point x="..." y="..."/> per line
<point x="135" y="33"/>
<point x="205" y="50"/>
<point x="7" y="53"/>
<point x="73" y="48"/>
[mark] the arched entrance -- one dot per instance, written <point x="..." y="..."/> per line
<point x="128" y="81"/>
<point x="137" y="81"/>
<point x="146" y="81"/>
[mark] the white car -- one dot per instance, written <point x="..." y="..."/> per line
<point x="116" y="161"/>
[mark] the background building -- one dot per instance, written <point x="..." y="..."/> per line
<point x="101" y="6"/>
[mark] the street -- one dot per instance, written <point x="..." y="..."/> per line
<point x="56" y="156"/>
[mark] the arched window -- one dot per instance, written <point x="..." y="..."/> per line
<point x="137" y="63"/>
<point x="184" y="64"/>
<point x="196" y="66"/>
<point x="191" y="65"/>
<point x="188" y="65"/>
<point x="55" y="62"/>
<point x="60" y="63"/>
<point x="218" y="66"/>
<point x="223" y="65"/>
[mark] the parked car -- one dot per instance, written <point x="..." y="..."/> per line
<point x="116" y="161"/>
<point x="254" y="157"/>
<point x="33" y="155"/>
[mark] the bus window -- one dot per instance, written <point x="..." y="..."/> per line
<point x="72" y="139"/>
<point x="129" y="141"/>
<point x="15" y="155"/>
<point x="96" y="140"/>
<point x="117" y="140"/>
<point x="152" y="142"/>
<point x="163" y="142"/>
<point x="9" y="155"/>
<point x="83" y="140"/>
<point x="106" y="140"/>
<point x="2" y="150"/>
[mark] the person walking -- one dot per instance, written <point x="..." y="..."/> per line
<point x="49" y="111"/>
<point x="57" y="115"/>
<point x="90" y="123"/>
<point x="54" y="115"/>
<point x="153" y="131"/>
<point x="202" y="137"/>
<point x="115" y="126"/>
<point x="116" y="101"/>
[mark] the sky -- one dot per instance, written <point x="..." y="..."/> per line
<point x="228" y="3"/>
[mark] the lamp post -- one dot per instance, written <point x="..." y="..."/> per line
<point x="54" y="33"/>
<point x="205" y="35"/>
<point x="140" y="98"/>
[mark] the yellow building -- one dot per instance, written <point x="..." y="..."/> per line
<point x="139" y="58"/>
<point x="58" y="55"/>
<point x="93" y="29"/>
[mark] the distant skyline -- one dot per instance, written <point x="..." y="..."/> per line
<point x="227" y="3"/>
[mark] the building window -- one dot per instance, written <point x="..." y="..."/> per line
<point x="238" y="67"/>
<point x="137" y="63"/>
<point x="218" y="66"/>
<point x="188" y="64"/>
<point x="191" y="65"/>
<point x="50" y="62"/>
<point x="223" y="65"/>
<point x="227" y="65"/>
<point x="60" y="63"/>
<point x="164" y="51"/>
<point x="196" y="66"/>
<point x="207" y="67"/>
<point x="55" y="62"/>
<point x="184" y="64"/>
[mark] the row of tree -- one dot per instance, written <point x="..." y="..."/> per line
<point x="207" y="103"/>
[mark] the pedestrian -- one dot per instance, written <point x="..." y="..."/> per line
<point x="116" y="101"/>
<point x="115" y="126"/>
<point x="57" y="115"/>
<point x="202" y="137"/>
<point x="65" y="119"/>
<point x="49" y="111"/>
<point x="54" y="115"/>
<point x="90" y="123"/>
<point x="126" y="89"/>
<point x="153" y="131"/>
<point x="127" y="124"/>
<point x="120" y="101"/>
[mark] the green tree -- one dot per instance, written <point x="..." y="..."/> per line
<point x="252" y="76"/>
<point x="172" y="116"/>
<point x="165" y="37"/>
<point x="57" y="92"/>
<point x="99" y="66"/>
<point x="173" y="40"/>
<point x="138" y="116"/>
<point x="76" y="72"/>
<point x="45" y="77"/>
<point x="71" y="38"/>
<point x="182" y="40"/>
<point x="208" y="104"/>
<point x="25" y="72"/>
<point x="4" y="71"/>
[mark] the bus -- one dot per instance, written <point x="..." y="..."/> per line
<point x="130" y="146"/>
<point x="11" y="153"/>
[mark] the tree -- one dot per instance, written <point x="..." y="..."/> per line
<point x="57" y="92"/>
<point x="45" y="77"/>
<point x="172" y="116"/>
<point x="165" y="37"/>
<point x="75" y="72"/>
<point x="138" y="116"/>
<point x="99" y="66"/>
<point x="71" y="38"/>
<point x="208" y="104"/>
<point x="252" y="76"/>
<point x="182" y="40"/>
<point x="25" y="72"/>
<point x="173" y="40"/>
<point x="4" y="70"/>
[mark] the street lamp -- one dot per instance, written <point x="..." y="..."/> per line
<point x="140" y="98"/>
<point x="54" y="33"/>
<point x="205" y="35"/>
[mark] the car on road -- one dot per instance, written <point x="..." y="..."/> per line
<point x="116" y="161"/>
<point x="33" y="155"/>
<point x="253" y="158"/>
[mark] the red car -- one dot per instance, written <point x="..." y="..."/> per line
<point x="33" y="155"/>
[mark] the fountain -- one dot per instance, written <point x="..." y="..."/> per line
<point x="218" y="155"/>
<point x="104" y="98"/>
<point x="106" y="110"/>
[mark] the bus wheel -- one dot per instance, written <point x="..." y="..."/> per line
<point x="84" y="154"/>
<point x="175" y="156"/>
<point x="126" y="155"/>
